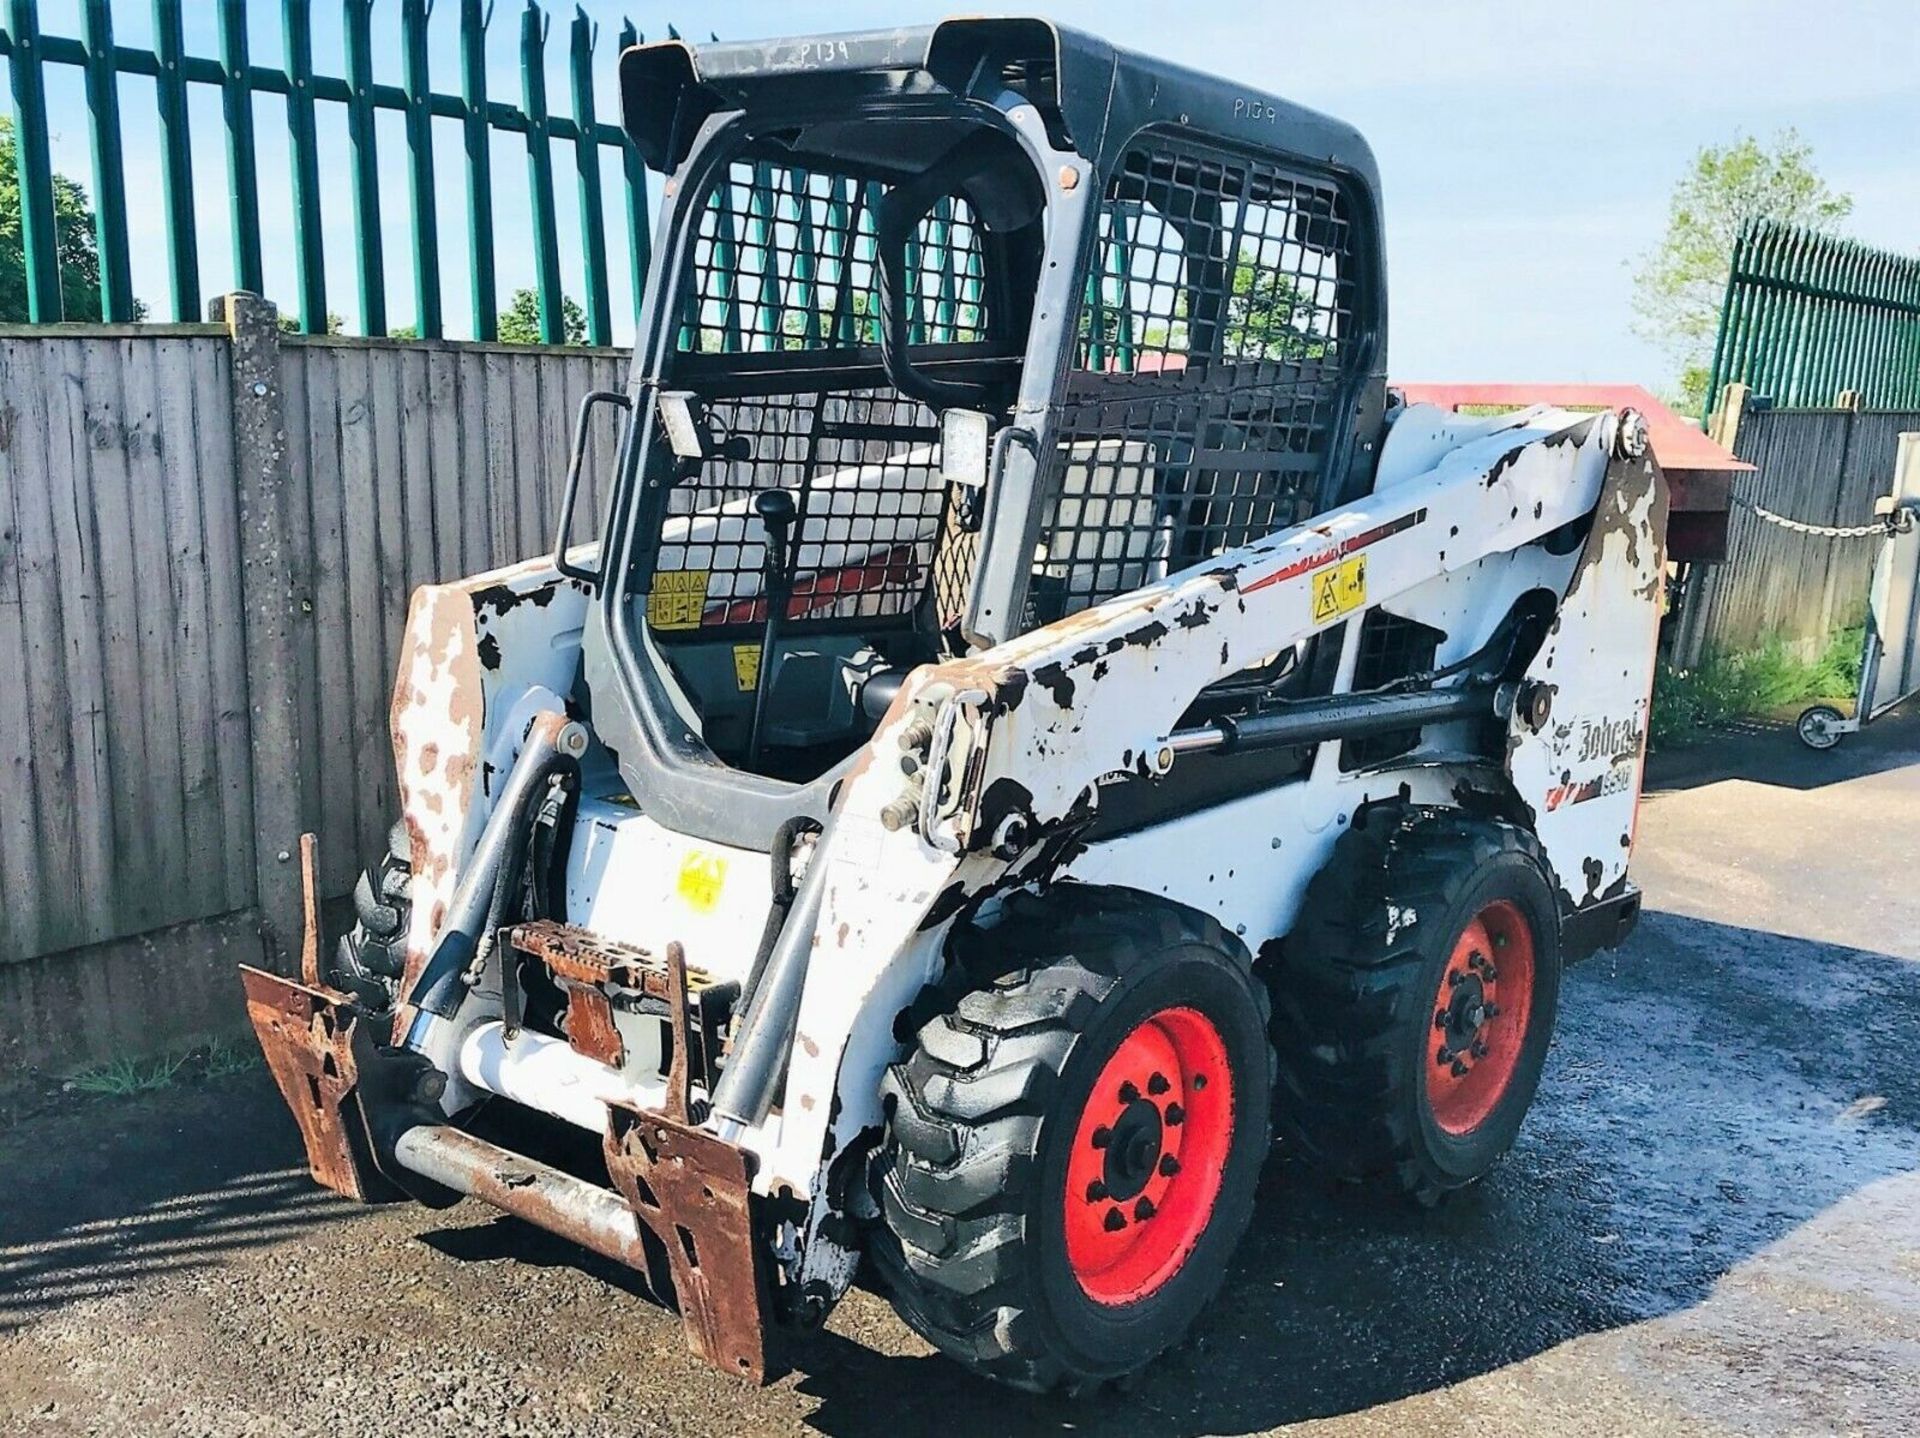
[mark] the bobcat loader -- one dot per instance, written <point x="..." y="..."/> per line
<point x="1042" y="727"/>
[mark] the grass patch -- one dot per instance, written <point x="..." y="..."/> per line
<point x="1687" y="702"/>
<point x="123" y="1077"/>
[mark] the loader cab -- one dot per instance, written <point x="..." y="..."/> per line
<point x="952" y="333"/>
<point x="840" y="288"/>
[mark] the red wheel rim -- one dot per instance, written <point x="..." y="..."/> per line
<point x="1480" y="1018"/>
<point x="1148" y="1156"/>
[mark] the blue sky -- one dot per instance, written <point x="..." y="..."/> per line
<point x="1527" y="150"/>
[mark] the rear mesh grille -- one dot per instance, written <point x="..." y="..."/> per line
<point x="1210" y="368"/>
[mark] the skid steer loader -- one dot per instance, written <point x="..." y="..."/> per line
<point x="1041" y="728"/>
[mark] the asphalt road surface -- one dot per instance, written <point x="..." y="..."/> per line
<point x="1711" y="1224"/>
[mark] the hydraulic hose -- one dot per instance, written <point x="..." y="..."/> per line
<point x="551" y="740"/>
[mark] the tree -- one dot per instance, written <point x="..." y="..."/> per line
<point x="290" y="324"/>
<point x="1680" y="285"/>
<point x="1269" y="316"/>
<point x="73" y="230"/>
<point x="520" y="321"/>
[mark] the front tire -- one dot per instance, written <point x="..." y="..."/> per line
<point x="1414" y="1001"/>
<point x="1074" y="1139"/>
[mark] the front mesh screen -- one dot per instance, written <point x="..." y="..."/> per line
<point x="784" y="260"/>
<point x="779" y="318"/>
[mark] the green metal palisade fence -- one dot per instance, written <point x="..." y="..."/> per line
<point x="238" y="78"/>
<point x="1807" y="316"/>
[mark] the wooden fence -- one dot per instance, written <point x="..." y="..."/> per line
<point x="1820" y="466"/>
<point x="150" y="775"/>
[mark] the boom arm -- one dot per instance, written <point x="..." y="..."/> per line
<point x="1016" y="740"/>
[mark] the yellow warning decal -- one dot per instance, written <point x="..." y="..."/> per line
<point x="1341" y="589"/>
<point x="702" y="877"/>
<point x="746" y="666"/>
<point x="678" y="598"/>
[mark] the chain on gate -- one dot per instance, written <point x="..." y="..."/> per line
<point x="1898" y="521"/>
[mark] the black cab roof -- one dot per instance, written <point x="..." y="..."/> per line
<point x="1096" y="96"/>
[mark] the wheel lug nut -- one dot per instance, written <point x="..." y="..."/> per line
<point x="1143" y="1210"/>
<point x="1493" y="1011"/>
<point x="1102" y="1136"/>
<point x="1459" y="1068"/>
<point x="1114" y="1221"/>
<point x="1128" y="1093"/>
<point x="1440" y="1019"/>
<point x="1455" y="978"/>
<point x="1158" y="1084"/>
<point x="1479" y="1049"/>
<point x="1175" y="1115"/>
<point x="1096" y="1191"/>
<point x="1443" y="1056"/>
<point x="1169" y="1165"/>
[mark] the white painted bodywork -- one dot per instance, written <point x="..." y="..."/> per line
<point x="1580" y="772"/>
<point x="1450" y="537"/>
<point x="631" y="879"/>
<point x="1462" y="491"/>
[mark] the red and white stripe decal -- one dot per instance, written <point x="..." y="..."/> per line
<point x="1353" y="544"/>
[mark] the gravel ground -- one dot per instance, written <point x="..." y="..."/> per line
<point x="1711" y="1224"/>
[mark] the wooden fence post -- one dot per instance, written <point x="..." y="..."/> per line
<point x="1724" y="425"/>
<point x="271" y="598"/>
<point x="1702" y="582"/>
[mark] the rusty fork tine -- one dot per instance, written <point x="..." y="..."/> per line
<point x="310" y="906"/>
<point x="679" y="1090"/>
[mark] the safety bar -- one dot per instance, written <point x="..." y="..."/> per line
<point x="571" y="493"/>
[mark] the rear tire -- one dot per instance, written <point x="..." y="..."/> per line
<point x="371" y="956"/>
<point x="1073" y="1141"/>
<point x="1414" y="1001"/>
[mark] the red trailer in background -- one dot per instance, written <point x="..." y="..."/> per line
<point x="1699" y="471"/>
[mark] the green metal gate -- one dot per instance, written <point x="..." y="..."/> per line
<point x="238" y="78"/>
<point x="1808" y="316"/>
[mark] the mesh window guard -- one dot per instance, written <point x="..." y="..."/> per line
<point x="865" y="472"/>
<point x="783" y="259"/>
<point x="1211" y="358"/>
<point x="783" y="263"/>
